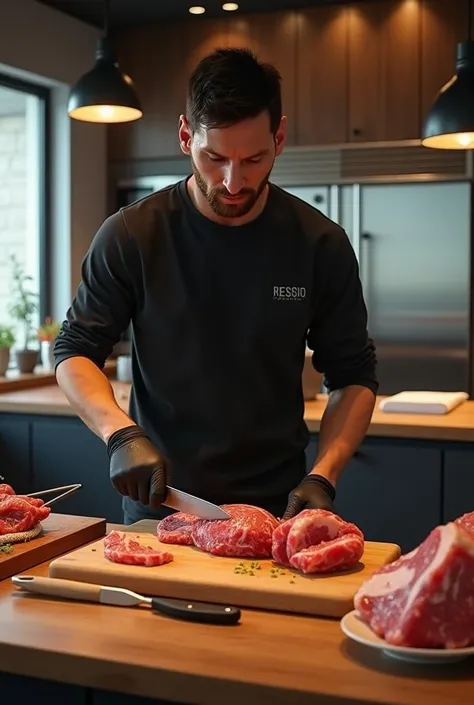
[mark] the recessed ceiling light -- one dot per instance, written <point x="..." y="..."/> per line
<point x="197" y="10"/>
<point x="230" y="6"/>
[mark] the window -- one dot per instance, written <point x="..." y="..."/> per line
<point x="23" y="197"/>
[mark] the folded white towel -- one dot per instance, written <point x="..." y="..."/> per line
<point x="423" y="402"/>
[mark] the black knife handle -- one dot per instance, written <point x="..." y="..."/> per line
<point x="196" y="611"/>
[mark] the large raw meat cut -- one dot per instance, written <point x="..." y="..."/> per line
<point x="317" y="541"/>
<point x="426" y="597"/>
<point x="6" y="489"/>
<point x="467" y="522"/>
<point x="177" y="528"/>
<point x="20" y="513"/>
<point x="247" y="534"/>
<point x="124" y="547"/>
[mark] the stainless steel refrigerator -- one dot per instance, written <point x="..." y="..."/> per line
<point x="412" y="241"/>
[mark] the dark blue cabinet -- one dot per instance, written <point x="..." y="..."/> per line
<point x="458" y="482"/>
<point x="15" y="453"/>
<point x="391" y="489"/>
<point x="41" y="452"/>
<point x="65" y="451"/>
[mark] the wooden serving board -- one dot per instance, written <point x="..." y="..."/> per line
<point x="61" y="533"/>
<point x="195" y="575"/>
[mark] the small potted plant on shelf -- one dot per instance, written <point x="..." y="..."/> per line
<point x="7" y="340"/>
<point x="47" y="333"/>
<point x="23" y="307"/>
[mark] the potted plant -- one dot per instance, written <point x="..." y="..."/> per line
<point x="22" y="309"/>
<point x="47" y="333"/>
<point x="7" y="339"/>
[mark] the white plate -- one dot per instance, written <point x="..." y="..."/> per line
<point x="356" y="629"/>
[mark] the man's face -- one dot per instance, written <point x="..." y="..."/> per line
<point x="232" y="165"/>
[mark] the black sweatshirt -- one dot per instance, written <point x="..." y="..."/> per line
<point x="220" y="319"/>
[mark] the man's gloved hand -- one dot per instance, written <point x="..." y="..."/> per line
<point x="137" y="469"/>
<point x="313" y="492"/>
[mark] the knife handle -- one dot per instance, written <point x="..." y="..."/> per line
<point x="57" y="587"/>
<point x="192" y="611"/>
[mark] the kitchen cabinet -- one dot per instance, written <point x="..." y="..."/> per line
<point x="384" y="71"/>
<point x="20" y="689"/>
<point x="41" y="452"/>
<point x="391" y="489"/>
<point x="444" y="23"/>
<point x="159" y="59"/>
<point x="273" y="38"/>
<point x="65" y="451"/>
<point x="102" y="697"/>
<point x="352" y="72"/>
<point x="15" y="453"/>
<point x="322" y="75"/>
<point x="458" y="482"/>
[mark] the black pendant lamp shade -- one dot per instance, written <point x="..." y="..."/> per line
<point x="450" y="121"/>
<point x="105" y="94"/>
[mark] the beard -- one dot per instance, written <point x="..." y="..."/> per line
<point x="229" y="210"/>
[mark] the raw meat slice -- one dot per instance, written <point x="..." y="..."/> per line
<point x="426" y="597"/>
<point x="467" y="522"/>
<point x="176" y="528"/>
<point x="6" y="489"/>
<point x="341" y="553"/>
<point x="19" y="513"/>
<point x="124" y="547"/>
<point x="317" y="541"/>
<point x="247" y="534"/>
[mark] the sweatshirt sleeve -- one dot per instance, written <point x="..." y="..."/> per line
<point x="105" y="299"/>
<point x="338" y="335"/>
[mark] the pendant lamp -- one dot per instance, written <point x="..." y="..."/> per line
<point x="450" y="122"/>
<point x="105" y="94"/>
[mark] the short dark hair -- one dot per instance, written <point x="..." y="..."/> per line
<point x="230" y="85"/>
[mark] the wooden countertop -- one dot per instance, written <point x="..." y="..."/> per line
<point x="14" y="381"/>
<point x="140" y="653"/>
<point x="458" y="425"/>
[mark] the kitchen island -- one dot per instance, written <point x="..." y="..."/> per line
<point x="412" y="471"/>
<point x="87" y="654"/>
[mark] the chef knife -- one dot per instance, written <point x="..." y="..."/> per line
<point x="188" y="503"/>
<point x="189" y="610"/>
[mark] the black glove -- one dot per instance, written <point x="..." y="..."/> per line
<point x="137" y="469"/>
<point x="313" y="492"/>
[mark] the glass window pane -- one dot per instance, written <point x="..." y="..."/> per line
<point x="22" y="137"/>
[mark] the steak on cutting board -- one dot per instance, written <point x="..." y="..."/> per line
<point x="248" y="533"/>
<point x="317" y="541"/>
<point x="426" y="597"/>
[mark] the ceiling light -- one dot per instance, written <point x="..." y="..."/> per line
<point x="230" y="6"/>
<point x="197" y="10"/>
<point x="104" y="94"/>
<point x="450" y="121"/>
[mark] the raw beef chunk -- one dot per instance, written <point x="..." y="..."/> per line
<point x="426" y="597"/>
<point x="19" y="513"/>
<point x="176" y="528"/>
<point x="123" y="547"/>
<point x="6" y="489"/>
<point x="467" y="522"/>
<point x="247" y="534"/>
<point x="317" y="541"/>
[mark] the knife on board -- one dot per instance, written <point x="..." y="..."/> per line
<point x="190" y="610"/>
<point x="188" y="503"/>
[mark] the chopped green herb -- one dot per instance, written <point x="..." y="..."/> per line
<point x="6" y="548"/>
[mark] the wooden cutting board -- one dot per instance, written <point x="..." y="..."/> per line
<point x="61" y="533"/>
<point x="196" y="575"/>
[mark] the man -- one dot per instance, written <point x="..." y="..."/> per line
<point x="225" y="278"/>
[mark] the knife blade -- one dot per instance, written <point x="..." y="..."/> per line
<point x="189" y="610"/>
<point x="188" y="503"/>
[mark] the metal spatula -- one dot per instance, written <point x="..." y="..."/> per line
<point x="189" y="610"/>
